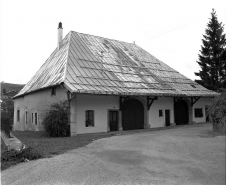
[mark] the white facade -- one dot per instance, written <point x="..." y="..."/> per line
<point x="201" y="103"/>
<point x="38" y="103"/>
<point x="100" y="104"/>
<point x="35" y="103"/>
<point x="163" y="103"/>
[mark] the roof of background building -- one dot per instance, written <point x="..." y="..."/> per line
<point x="96" y="65"/>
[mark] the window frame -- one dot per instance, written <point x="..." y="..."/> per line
<point x="87" y="121"/>
<point x="161" y="113"/>
<point x="36" y="118"/>
<point x="18" y="115"/>
<point x="26" y="113"/>
<point x="32" y="117"/>
<point x="53" y="91"/>
<point x="198" y="114"/>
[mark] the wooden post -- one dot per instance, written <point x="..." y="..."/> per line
<point x="73" y="125"/>
<point x="146" y="117"/>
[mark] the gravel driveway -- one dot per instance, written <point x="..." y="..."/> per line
<point x="185" y="155"/>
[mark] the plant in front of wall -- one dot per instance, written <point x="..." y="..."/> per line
<point x="89" y="123"/>
<point x="217" y="112"/>
<point x="55" y="120"/>
<point x="13" y="157"/>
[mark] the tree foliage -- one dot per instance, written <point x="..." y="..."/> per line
<point x="217" y="112"/>
<point x="55" y="120"/>
<point x="212" y="57"/>
<point x="13" y="157"/>
<point x="7" y="108"/>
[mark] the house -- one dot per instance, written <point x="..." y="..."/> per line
<point x="9" y="89"/>
<point x="11" y="93"/>
<point x="111" y="85"/>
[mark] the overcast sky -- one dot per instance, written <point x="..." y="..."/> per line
<point x="171" y="30"/>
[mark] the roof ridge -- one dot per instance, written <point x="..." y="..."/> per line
<point x="66" y="65"/>
<point x="102" y="37"/>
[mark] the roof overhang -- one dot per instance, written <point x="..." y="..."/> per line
<point x="31" y="92"/>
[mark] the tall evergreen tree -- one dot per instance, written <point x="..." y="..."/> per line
<point x="212" y="59"/>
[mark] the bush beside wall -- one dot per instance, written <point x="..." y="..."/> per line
<point x="55" y="120"/>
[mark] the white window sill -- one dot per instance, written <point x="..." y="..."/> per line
<point x="90" y="127"/>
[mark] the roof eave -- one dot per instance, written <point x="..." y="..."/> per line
<point x="21" y="95"/>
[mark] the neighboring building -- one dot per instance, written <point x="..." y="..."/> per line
<point x="111" y="85"/>
<point x="9" y="89"/>
<point x="11" y="93"/>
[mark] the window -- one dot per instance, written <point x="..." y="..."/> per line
<point x="18" y="114"/>
<point x="36" y="118"/>
<point x="207" y="116"/>
<point x="26" y="117"/>
<point x="198" y="113"/>
<point x="160" y="113"/>
<point x="32" y="117"/>
<point x="53" y="91"/>
<point x="89" y="118"/>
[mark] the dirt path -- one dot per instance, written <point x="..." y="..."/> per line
<point x="186" y="155"/>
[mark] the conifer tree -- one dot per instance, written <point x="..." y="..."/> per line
<point x="212" y="57"/>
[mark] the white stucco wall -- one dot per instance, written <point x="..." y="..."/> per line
<point x="100" y="104"/>
<point x="201" y="103"/>
<point x="35" y="102"/>
<point x="163" y="103"/>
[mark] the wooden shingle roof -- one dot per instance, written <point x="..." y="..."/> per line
<point x="96" y="65"/>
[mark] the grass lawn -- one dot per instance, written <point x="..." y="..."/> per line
<point x="48" y="146"/>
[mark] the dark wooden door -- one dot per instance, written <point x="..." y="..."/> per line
<point x="167" y="117"/>
<point x="181" y="112"/>
<point x="113" y="120"/>
<point x="132" y="115"/>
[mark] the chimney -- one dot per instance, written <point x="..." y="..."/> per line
<point x="60" y="35"/>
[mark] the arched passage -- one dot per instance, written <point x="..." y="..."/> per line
<point x="181" y="113"/>
<point x="132" y="114"/>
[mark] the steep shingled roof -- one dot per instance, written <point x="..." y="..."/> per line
<point x="96" y="65"/>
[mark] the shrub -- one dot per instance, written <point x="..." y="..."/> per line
<point x="217" y="111"/>
<point x="55" y="120"/>
<point x="12" y="157"/>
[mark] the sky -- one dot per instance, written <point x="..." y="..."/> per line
<point x="171" y="30"/>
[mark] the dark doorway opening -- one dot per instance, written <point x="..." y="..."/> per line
<point x="207" y="116"/>
<point x="167" y="117"/>
<point x="132" y="115"/>
<point x="181" y="112"/>
<point x="113" y="120"/>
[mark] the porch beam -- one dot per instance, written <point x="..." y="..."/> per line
<point x="176" y="99"/>
<point x="121" y="100"/>
<point x="194" y="100"/>
<point x="70" y="96"/>
<point x="150" y="101"/>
